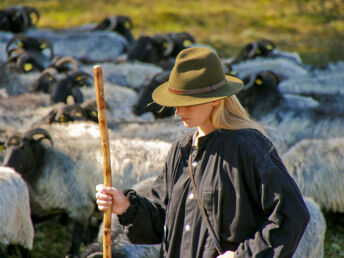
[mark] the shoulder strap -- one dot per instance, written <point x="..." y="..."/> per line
<point x="204" y="215"/>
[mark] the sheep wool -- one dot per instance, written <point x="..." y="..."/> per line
<point x="15" y="221"/>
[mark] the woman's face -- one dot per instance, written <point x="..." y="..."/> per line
<point x="197" y="116"/>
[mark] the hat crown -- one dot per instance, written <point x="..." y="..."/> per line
<point x="196" y="68"/>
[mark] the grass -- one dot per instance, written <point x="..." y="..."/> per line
<point x="313" y="28"/>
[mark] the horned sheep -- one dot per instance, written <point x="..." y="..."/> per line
<point x="63" y="177"/>
<point x="16" y="227"/>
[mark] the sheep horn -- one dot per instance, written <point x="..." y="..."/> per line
<point x="68" y="109"/>
<point x="18" y="10"/>
<point x="12" y="40"/>
<point x="31" y="133"/>
<point x="25" y="60"/>
<point x="168" y="40"/>
<point x="253" y="51"/>
<point x="251" y="82"/>
<point x="48" y="45"/>
<point x="60" y="61"/>
<point x="29" y="11"/>
<point x="96" y="254"/>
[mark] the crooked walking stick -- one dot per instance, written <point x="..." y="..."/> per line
<point x="98" y="81"/>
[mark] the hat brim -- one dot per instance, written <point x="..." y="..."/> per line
<point x="162" y="96"/>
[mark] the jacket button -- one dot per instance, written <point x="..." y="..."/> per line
<point x="187" y="227"/>
<point x="194" y="164"/>
<point x="191" y="196"/>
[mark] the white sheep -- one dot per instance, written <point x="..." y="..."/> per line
<point x="15" y="222"/>
<point x="317" y="167"/>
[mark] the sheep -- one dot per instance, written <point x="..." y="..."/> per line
<point x="145" y="103"/>
<point x="317" y="167"/>
<point x="18" y="18"/>
<point x="16" y="227"/>
<point x="120" y="100"/>
<point x="34" y="47"/>
<point x="121" y="24"/>
<point x="87" y="46"/>
<point x="311" y="244"/>
<point x="86" y="111"/>
<point x="283" y="67"/>
<point x="63" y="177"/>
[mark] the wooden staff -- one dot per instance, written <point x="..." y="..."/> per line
<point x="98" y="80"/>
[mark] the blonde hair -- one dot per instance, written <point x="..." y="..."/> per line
<point x="230" y="114"/>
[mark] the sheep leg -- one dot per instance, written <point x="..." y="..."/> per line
<point x="78" y="230"/>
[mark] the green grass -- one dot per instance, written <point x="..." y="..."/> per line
<point x="314" y="28"/>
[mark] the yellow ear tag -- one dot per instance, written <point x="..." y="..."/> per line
<point x="94" y="113"/>
<point x="269" y="46"/>
<point x="62" y="118"/>
<point x="2" y="147"/>
<point x="259" y="81"/>
<point x="20" y="43"/>
<point x="28" y="67"/>
<point x="233" y="73"/>
<point x="43" y="46"/>
<point x="78" y="114"/>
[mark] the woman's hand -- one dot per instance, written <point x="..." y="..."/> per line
<point x="110" y="197"/>
<point x="228" y="254"/>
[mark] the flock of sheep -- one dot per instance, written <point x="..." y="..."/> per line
<point x="49" y="137"/>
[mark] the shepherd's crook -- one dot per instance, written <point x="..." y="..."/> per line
<point x="98" y="80"/>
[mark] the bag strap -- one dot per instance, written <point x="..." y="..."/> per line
<point x="204" y="215"/>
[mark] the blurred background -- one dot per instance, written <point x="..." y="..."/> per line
<point x="313" y="28"/>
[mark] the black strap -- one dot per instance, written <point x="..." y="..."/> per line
<point x="204" y="215"/>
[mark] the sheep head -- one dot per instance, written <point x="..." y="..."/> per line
<point x="145" y="103"/>
<point x="260" y="93"/>
<point x="26" y="153"/>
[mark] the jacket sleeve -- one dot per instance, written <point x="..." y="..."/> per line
<point x="281" y="203"/>
<point x="144" y="220"/>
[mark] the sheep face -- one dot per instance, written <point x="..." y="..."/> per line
<point x="145" y="102"/>
<point x="260" y="94"/>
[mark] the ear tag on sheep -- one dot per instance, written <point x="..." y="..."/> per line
<point x="20" y="43"/>
<point x="28" y="67"/>
<point x="259" y="81"/>
<point x="43" y="46"/>
<point x="269" y="47"/>
<point x="94" y="113"/>
<point x="187" y="43"/>
<point x="78" y="114"/>
<point x="233" y="73"/>
<point x="62" y="118"/>
<point x="258" y="51"/>
<point x="2" y="146"/>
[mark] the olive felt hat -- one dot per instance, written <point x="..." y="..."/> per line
<point x="196" y="78"/>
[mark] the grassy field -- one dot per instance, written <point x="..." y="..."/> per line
<point x="313" y="28"/>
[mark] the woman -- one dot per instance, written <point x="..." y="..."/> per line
<point x="251" y="206"/>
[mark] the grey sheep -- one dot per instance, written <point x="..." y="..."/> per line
<point x="317" y="167"/>
<point x="16" y="226"/>
<point x="64" y="177"/>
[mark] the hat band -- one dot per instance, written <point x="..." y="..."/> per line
<point x="198" y="91"/>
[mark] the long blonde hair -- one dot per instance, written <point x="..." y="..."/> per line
<point x="230" y="114"/>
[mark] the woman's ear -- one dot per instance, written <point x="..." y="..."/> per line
<point x="216" y="103"/>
